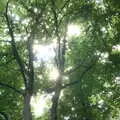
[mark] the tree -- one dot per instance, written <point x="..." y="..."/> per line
<point x="92" y="58"/>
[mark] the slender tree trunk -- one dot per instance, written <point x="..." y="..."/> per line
<point x="27" y="107"/>
<point x="54" y="107"/>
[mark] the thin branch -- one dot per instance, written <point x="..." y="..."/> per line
<point x="47" y="32"/>
<point x="11" y="87"/>
<point x="74" y="69"/>
<point x="78" y="66"/>
<point x="60" y="11"/>
<point x="54" y="5"/>
<point x="55" y="16"/>
<point x="82" y="75"/>
<point x="64" y="6"/>
<point x="57" y="34"/>
<point x="60" y="21"/>
<point x="63" y="49"/>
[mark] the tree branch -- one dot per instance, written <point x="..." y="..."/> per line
<point x="50" y="90"/>
<point x="78" y="66"/>
<point x="60" y="11"/>
<point x="82" y="75"/>
<point x="57" y="34"/>
<point x="63" y="49"/>
<point x="74" y="69"/>
<point x="64" y="6"/>
<point x="14" y="49"/>
<point x="11" y="87"/>
<point x="31" y="56"/>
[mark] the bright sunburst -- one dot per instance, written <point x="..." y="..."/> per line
<point x="54" y="74"/>
<point x="73" y="30"/>
<point x="39" y="104"/>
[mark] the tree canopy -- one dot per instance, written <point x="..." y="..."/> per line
<point x="66" y="50"/>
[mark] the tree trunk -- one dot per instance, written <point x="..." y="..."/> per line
<point x="27" y="108"/>
<point x="54" y="107"/>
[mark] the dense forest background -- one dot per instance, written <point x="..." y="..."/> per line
<point x="67" y="51"/>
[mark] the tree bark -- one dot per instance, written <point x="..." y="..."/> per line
<point x="54" y="107"/>
<point x="27" y="109"/>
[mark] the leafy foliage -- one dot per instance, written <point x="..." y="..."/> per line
<point x="95" y="95"/>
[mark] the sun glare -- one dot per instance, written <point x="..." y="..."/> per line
<point x="73" y="30"/>
<point x="44" y="52"/>
<point x="39" y="104"/>
<point x="54" y="74"/>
